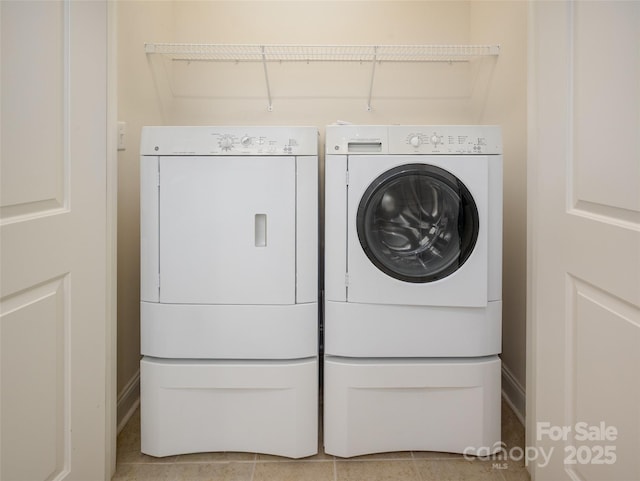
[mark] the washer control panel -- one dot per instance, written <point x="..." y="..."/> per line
<point x="443" y="140"/>
<point x="241" y="141"/>
<point x="414" y="139"/>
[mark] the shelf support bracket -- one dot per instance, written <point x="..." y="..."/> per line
<point x="266" y="77"/>
<point x="373" y="73"/>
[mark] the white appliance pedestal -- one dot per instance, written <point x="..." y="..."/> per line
<point x="385" y="405"/>
<point x="201" y="406"/>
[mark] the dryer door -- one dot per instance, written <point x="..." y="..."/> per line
<point x="227" y="230"/>
<point x="417" y="223"/>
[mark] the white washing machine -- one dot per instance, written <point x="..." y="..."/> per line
<point x="229" y="289"/>
<point x="413" y="310"/>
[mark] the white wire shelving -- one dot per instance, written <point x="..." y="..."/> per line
<point x="320" y="53"/>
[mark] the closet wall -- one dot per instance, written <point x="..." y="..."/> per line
<point x="153" y="90"/>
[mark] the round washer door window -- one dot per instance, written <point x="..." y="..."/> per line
<point x="417" y="223"/>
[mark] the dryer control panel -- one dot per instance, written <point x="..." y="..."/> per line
<point x="414" y="139"/>
<point x="241" y="141"/>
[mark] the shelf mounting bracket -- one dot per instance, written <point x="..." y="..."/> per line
<point x="373" y="73"/>
<point x="266" y="78"/>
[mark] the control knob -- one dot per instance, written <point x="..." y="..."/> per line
<point x="245" y="141"/>
<point x="435" y="140"/>
<point x="226" y="143"/>
<point x="415" y="141"/>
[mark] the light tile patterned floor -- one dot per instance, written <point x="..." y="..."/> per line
<point x="403" y="466"/>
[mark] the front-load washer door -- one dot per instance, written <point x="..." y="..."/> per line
<point x="417" y="233"/>
<point x="227" y="230"/>
<point x="417" y="223"/>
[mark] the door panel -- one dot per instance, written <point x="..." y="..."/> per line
<point x="227" y="230"/>
<point x="605" y="334"/>
<point x="33" y="323"/>
<point x="613" y="118"/>
<point x="53" y="307"/>
<point x="584" y="196"/>
<point x="33" y="106"/>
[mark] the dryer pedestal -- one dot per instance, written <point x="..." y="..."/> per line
<point x="267" y="407"/>
<point x="385" y="405"/>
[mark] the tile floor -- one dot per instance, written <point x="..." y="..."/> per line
<point x="401" y="466"/>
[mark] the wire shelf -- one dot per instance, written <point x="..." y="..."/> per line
<point x="325" y="53"/>
<point x="373" y="54"/>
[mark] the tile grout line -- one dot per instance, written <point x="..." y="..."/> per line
<point x="415" y="467"/>
<point x="503" y="476"/>
<point x="173" y="471"/>
<point x="253" y="470"/>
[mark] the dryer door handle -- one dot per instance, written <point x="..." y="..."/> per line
<point x="260" y="230"/>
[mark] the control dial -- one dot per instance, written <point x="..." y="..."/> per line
<point x="435" y="140"/>
<point x="415" y="141"/>
<point x="226" y="142"/>
<point x="245" y="141"/>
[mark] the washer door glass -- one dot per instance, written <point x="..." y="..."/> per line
<point x="417" y="223"/>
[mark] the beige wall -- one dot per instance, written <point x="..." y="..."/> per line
<point x="320" y="93"/>
<point x="138" y="105"/>
<point x="505" y="103"/>
<point x="156" y="91"/>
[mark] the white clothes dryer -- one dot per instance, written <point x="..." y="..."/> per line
<point x="229" y="289"/>
<point x="413" y="260"/>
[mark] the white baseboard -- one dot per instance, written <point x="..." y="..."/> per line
<point x="513" y="393"/>
<point x="128" y="400"/>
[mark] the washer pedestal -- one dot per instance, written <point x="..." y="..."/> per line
<point x="383" y="405"/>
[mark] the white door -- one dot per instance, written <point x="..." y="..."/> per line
<point x="228" y="230"/>
<point x="53" y="326"/>
<point x="583" y="379"/>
